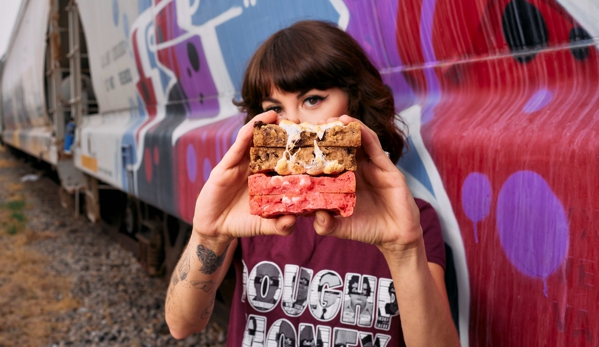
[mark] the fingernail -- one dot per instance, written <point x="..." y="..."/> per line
<point x="319" y="218"/>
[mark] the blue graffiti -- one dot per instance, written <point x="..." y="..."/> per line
<point x="246" y="32"/>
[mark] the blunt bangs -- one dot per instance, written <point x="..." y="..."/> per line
<point x="297" y="62"/>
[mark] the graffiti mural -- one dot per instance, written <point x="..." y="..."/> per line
<point x="506" y="113"/>
<point x="500" y="103"/>
<point x="484" y="101"/>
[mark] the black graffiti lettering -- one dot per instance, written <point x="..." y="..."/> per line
<point x="125" y="77"/>
<point x="119" y="50"/>
<point x="109" y="83"/>
<point x="105" y="59"/>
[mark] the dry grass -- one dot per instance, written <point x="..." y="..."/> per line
<point x="7" y="163"/>
<point x="29" y="296"/>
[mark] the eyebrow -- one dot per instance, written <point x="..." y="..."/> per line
<point x="275" y="101"/>
<point x="269" y="99"/>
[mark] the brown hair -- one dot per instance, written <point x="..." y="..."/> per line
<point x="319" y="55"/>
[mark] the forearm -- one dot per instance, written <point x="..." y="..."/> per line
<point x="424" y="310"/>
<point x="192" y="290"/>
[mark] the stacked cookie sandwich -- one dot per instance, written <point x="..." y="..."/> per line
<point x="302" y="168"/>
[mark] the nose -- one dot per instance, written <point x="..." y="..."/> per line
<point x="292" y="115"/>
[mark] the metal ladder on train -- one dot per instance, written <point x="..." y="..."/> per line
<point x="73" y="181"/>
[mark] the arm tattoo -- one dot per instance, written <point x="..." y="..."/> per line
<point x="206" y="286"/>
<point x="169" y="293"/>
<point x="183" y="268"/>
<point x="210" y="261"/>
<point x="179" y="274"/>
<point x="208" y="311"/>
<point x="174" y="279"/>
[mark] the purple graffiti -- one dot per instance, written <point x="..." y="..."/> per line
<point x="532" y="225"/>
<point x="539" y="100"/>
<point x="196" y="79"/>
<point x="192" y="163"/>
<point x="207" y="169"/>
<point x="476" y="198"/>
<point x="380" y="43"/>
<point x="186" y="59"/>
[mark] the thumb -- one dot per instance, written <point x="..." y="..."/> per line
<point x="325" y="223"/>
<point x="283" y="225"/>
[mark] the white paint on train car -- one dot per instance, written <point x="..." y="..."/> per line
<point x="110" y="58"/>
<point x="105" y="43"/>
<point x="36" y="141"/>
<point x="99" y="153"/>
<point x="26" y="123"/>
<point x="585" y="12"/>
<point x="145" y="24"/>
<point x="343" y="11"/>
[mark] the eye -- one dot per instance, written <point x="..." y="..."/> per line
<point x="277" y="109"/>
<point x="313" y="100"/>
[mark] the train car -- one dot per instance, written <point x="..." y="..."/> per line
<point x="130" y="100"/>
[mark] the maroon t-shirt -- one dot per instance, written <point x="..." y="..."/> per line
<point x="309" y="290"/>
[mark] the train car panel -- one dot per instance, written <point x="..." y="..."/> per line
<point x="189" y="59"/>
<point x="25" y="121"/>
<point x="113" y="71"/>
<point x="110" y="55"/>
<point x="99" y="154"/>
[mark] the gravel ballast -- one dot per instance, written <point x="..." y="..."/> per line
<point x="86" y="289"/>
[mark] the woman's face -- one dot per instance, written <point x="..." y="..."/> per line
<point x="314" y="106"/>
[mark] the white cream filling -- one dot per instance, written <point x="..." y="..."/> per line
<point x="288" y="164"/>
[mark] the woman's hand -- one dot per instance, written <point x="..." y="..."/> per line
<point x="222" y="210"/>
<point x="386" y="214"/>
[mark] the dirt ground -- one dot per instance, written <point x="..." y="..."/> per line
<point x="63" y="282"/>
<point x="28" y="295"/>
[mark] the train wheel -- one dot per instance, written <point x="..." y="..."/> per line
<point x="176" y="235"/>
<point x="132" y="219"/>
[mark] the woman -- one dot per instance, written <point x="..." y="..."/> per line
<point x="314" y="72"/>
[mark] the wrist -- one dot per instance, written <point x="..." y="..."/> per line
<point x="405" y="255"/>
<point x="217" y="244"/>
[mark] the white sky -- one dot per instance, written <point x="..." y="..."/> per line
<point x="9" y="9"/>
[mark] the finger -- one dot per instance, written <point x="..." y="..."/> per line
<point x="243" y="142"/>
<point x="371" y="145"/>
<point x="328" y="120"/>
<point x="374" y="150"/>
<point x="280" y="225"/>
<point x="347" y="119"/>
<point x="364" y="128"/>
<point x="284" y="225"/>
<point x="282" y="118"/>
<point x="324" y="223"/>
